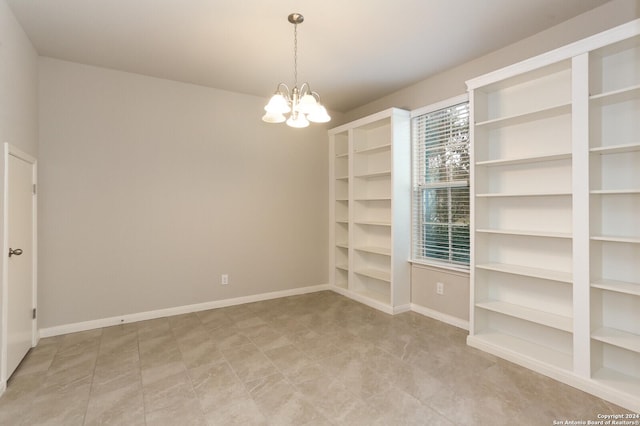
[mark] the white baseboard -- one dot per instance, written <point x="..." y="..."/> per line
<point x="178" y="310"/>
<point x="595" y="387"/>
<point x="451" y="320"/>
<point x="372" y="303"/>
<point x="402" y="308"/>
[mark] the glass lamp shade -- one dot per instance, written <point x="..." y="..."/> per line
<point x="278" y="104"/>
<point x="319" y="115"/>
<point x="298" y="121"/>
<point x="273" y="118"/>
<point x="307" y="104"/>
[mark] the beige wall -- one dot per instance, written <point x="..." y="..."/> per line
<point x="18" y="85"/>
<point x="424" y="280"/>
<point x="151" y="189"/>
<point x="452" y="83"/>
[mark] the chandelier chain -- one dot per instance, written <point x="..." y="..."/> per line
<point x="295" y="55"/>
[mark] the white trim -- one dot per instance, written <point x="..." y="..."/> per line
<point x="10" y="150"/>
<point x="446" y="267"/>
<point x="177" y="310"/>
<point x="440" y="105"/>
<point x="389" y="112"/>
<point x="402" y="308"/>
<point x="591" y="386"/>
<point x="568" y="51"/>
<point x="372" y="303"/>
<point x="448" y="319"/>
<point x="5" y="270"/>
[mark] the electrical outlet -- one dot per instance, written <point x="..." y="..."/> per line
<point x="440" y="288"/>
<point x="224" y="279"/>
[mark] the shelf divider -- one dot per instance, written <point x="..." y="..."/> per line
<point x="617" y="286"/>
<point x="525" y="160"/>
<point x="548" y="112"/>
<point x="545" y="274"/>
<point x="524" y="233"/>
<point x="619" y="338"/>
<point x="528" y="314"/>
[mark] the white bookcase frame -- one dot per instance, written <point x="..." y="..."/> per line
<point x="555" y="214"/>
<point x="369" y="212"/>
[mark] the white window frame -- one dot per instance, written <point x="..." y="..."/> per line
<point x="415" y="113"/>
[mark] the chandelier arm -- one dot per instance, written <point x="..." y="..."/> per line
<point x="286" y="89"/>
<point x="305" y="89"/>
<point x="315" y="94"/>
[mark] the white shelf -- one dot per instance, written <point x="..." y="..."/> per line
<point x="616" y="149"/>
<point x="370" y="175"/>
<point x="544" y="274"/>
<point x="385" y="147"/>
<point x="346" y="154"/>
<point x="619" y="338"/>
<point x="526" y="233"/>
<point x="342" y="245"/>
<point x="616" y="96"/>
<point x="516" y="347"/>
<point x="373" y="199"/>
<point x="342" y="221"/>
<point x="375" y="273"/>
<point x="343" y="267"/>
<point x="342" y="177"/>
<point x="618" y="286"/>
<point x="631" y="240"/>
<point x="519" y="194"/>
<point x="618" y="381"/>
<point x="386" y="251"/>
<point x="524" y="160"/>
<point x="372" y="223"/>
<point x="533" y="315"/>
<point x="615" y="191"/>
<point x="548" y="112"/>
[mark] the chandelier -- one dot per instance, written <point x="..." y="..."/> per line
<point x="303" y="104"/>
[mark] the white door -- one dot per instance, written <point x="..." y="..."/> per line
<point x="20" y="257"/>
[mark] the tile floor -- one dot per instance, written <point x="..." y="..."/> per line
<point x="317" y="359"/>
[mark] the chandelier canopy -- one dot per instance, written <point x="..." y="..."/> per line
<point x="302" y="104"/>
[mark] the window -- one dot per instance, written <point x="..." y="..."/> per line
<point x="440" y="138"/>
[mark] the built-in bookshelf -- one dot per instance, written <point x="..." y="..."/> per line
<point x="555" y="263"/>
<point x="614" y="199"/>
<point x="370" y="210"/>
<point x="339" y="228"/>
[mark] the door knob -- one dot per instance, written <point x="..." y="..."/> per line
<point x="17" y="252"/>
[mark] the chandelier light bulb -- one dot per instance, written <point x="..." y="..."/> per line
<point x="297" y="121"/>
<point x="319" y="115"/>
<point x="273" y="118"/>
<point x="307" y="104"/>
<point x="278" y="105"/>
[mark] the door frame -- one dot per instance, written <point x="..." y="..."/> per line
<point x="10" y="150"/>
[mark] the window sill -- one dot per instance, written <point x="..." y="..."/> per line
<point x="464" y="270"/>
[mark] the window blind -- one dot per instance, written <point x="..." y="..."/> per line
<point x="441" y="186"/>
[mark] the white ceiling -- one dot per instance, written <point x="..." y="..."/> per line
<point x="351" y="51"/>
